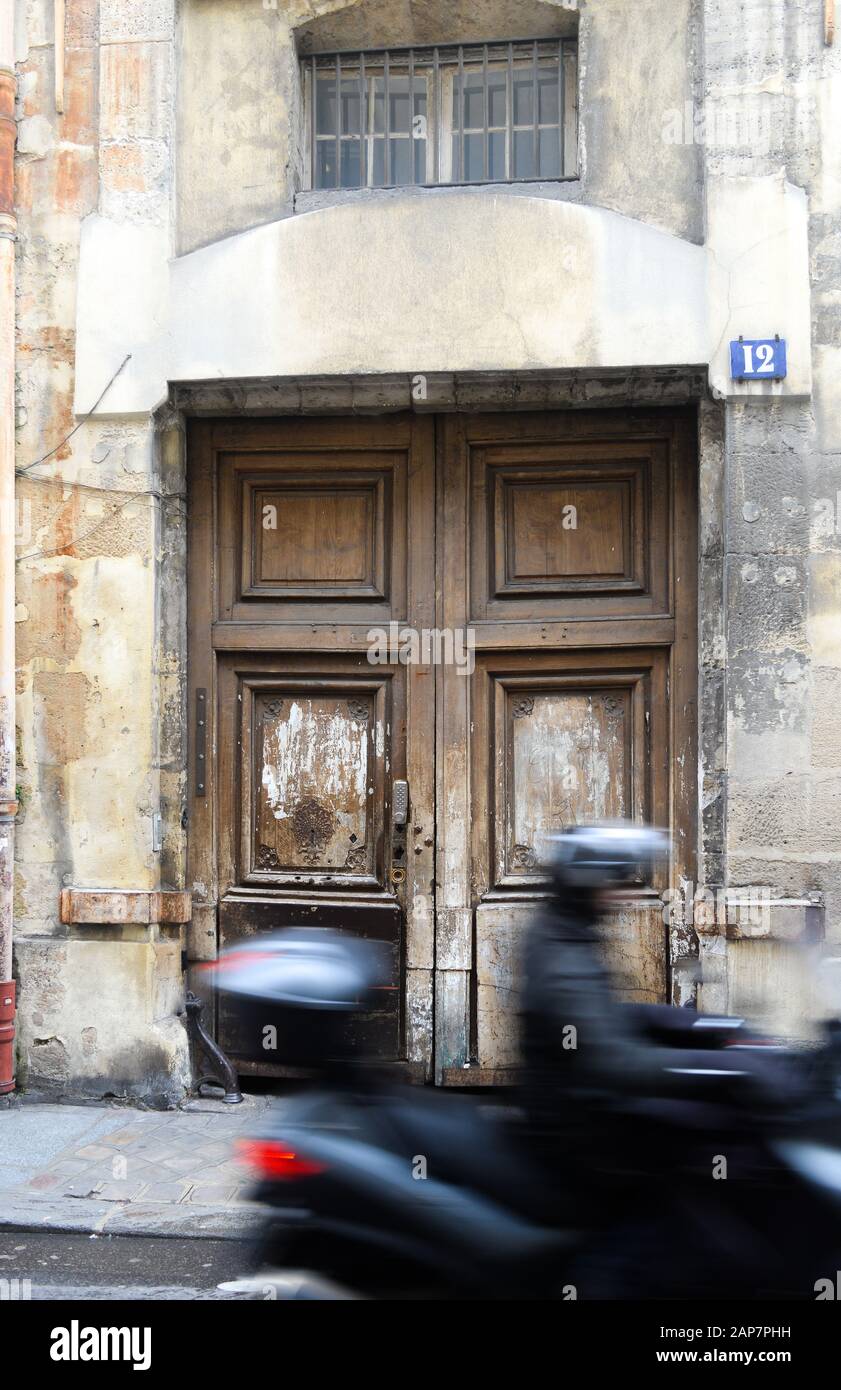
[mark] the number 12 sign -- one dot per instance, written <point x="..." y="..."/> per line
<point x="758" y="359"/>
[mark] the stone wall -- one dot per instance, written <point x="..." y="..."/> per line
<point x="772" y="788"/>
<point x="239" y="141"/>
<point x="95" y="667"/>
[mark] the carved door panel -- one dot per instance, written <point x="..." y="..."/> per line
<point x="577" y="578"/>
<point x="306" y="536"/>
<point x="308" y="749"/>
<point x="565" y="545"/>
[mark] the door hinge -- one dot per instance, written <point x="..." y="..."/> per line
<point x="201" y="742"/>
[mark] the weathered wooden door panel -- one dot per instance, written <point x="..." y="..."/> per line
<point x="378" y="1033"/>
<point x="567" y="529"/>
<point x="305" y="535"/>
<point x="565" y="545"/>
<point x="308" y="749"/>
<point x="314" y="535"/>
<point x="314" y="750"/>
<point x="580" y="588"/>
<point x="560" y="739"/>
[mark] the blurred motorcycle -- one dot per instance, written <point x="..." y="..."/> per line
<point x="374" y="1188"/>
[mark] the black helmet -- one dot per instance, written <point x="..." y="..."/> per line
<point x="612" y="853"/>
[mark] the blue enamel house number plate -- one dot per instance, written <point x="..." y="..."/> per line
<point x="758" y="359"/>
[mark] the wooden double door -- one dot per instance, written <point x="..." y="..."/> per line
<point x="418" y="646"/>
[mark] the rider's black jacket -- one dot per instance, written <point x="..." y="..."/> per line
<point x="587" y="1056"/>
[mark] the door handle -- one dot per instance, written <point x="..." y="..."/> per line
<point x="399" y="803"/>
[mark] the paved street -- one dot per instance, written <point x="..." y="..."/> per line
<point x="139" y="1155"/>
<point x="108" y="1169"/>
<point x="97" y="1267"/>
<point x="105" y="1202"/>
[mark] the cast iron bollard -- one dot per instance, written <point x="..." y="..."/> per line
<point x="222" y="1073"/>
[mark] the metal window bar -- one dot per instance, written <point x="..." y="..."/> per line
<point x="460" y="138"/>
<point x="412" y="141"/>
<point x="506" y="54"/>
<point x="486" y="155"/>
<point x="338" y="120"/>
<point x="535" y="99"/>
<point x="363" y="124"/>
<point x="386" y="122"/>
<point x="561" y="122"/>
<point x="509" y="98"/>
<point x="433" y="115"/>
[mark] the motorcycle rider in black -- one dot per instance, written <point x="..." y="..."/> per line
<point x="614" y="1112"/>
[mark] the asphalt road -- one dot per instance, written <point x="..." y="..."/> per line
<point x="60" y="1266"/>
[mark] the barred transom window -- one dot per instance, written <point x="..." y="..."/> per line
<point x="494" y="112"/>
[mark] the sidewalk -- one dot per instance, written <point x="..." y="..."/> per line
<point x="113" y="1170"/>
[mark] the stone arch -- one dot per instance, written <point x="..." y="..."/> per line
<point x="400" y="23"/>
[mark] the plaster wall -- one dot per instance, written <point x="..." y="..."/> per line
<point x="98" y="1009"/>
<point x="239" y="144"/>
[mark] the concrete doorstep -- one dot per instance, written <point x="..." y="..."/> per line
<point x="108" y="1170"/>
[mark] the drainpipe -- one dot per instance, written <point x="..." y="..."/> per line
<point x="8" y="802"/>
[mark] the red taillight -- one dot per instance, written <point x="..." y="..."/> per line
<point x="276" y="1160"/>
<point x="235" y="960"/>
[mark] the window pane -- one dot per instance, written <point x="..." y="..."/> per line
<point x="474" y="157"/>
<point x="350" y="164"/>
<point x="325" y="113"/>
<point x="497" y="169"/>
<point x="325" y="164"/>
<point x="550" y="154"/>
<point x="379" y="105"/>
<point x="547" y="96"/>
<point x="523" y="154"/>
<point x="474" y="102"/>
<point x="497" y="99"/>
<point x="523" y="97"/>
<point x="400" y="161"/>
<point x="520" y="98"/>
<point x="378" y="166"/>
<point x="398" y="101"/>
<point x="350" y="106"/>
